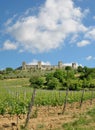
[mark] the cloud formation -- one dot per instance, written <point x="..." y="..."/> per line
<point x="83" y="43"/>
<point x="8" y="45"/>
<point x="91" y="33"/>
<point x="35" y="62"/>
<point x="47" y="30"/>
<point x="90" y="58"/>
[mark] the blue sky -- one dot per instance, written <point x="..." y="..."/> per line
<point x="47" y="31"/>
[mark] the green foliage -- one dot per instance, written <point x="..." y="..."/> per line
<point x="75" y="85"/>
<point x="70" y="75"/>
<point x="49" y="76"/>
<point x="1" y="77"/>
<point x="37" y="81"/>
<point x="68" y="68"/>
<point x="59" y="74"/>
<point x="54" y="79"/>
<point x="61" y="79"/>
<point x="80" y="69"/>
<point x="17" y="99"/>
<point x="88" y="73"/>
<point x="2" y="108"/>
<point x="9" y="69"/>
<point x="53" y="83"/>
<point x="91" y="113"/>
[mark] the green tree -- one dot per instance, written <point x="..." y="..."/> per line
<point x="85" y="83"/>
<point x="8" y="70"/>
<point x="37" y="81"/>
<point x="59" y="74"/>
<point x="53" y="84"/>
<point x="80" y="69"/>
<point x="49" y="76"/>
<point x="68" y="68"/>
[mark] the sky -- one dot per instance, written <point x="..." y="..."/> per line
<point x="47" y="31"/>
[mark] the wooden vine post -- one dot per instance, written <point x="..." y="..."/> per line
<point x="92" y="95"/>
<point x="81" y="101"/>
<point x="67" y="91"/>
<point x="65" y="101"/>
<point x="30" y="108"/>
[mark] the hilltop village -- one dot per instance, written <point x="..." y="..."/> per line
<point x="41" y="66"/>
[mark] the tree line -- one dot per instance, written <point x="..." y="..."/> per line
<point x="61" y="79"/>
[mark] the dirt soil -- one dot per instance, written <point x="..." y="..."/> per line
<point x="46" y="117"/>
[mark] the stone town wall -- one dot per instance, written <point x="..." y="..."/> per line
<point x="40" y="66"/>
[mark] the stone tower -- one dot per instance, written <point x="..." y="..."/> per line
<point x="74" y="66"/>
<point x="60" y="64"/>
<point x="23" y="65"/>
<point x="39" y="65"/>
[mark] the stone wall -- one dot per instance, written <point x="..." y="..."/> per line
<point x="40" y="66"/>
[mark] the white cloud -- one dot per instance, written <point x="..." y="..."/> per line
<point x="91" y="33"/>
<point x="86" y="12"/>
<point x="8" y="45"/>
<point x="31" y="10"/>
<point x="35" y="62"/>
<point x="74" y="38"/>
<point x="90" y="58"/>
<point x="83" y="43"/>
<point x="55" y="21"/>
<point x="9" y="21"/>
<point x="67" y="64"/>
<point x="70" y="64"/>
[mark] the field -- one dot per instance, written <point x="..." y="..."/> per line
<point x="48" y="106"/>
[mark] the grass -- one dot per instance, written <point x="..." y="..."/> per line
<point x="83" y="122"/>
<point x="91" y="113"/>
<point x="40" y="126"/>
<point x="18" y="82"/>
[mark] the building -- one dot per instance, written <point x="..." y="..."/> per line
<point x="40" y="66"/>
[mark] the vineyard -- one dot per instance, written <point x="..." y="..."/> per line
<point x="15" y="99"/>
